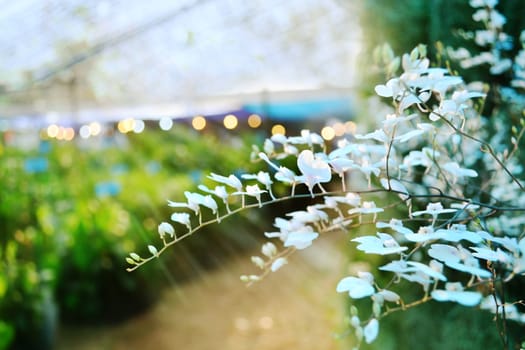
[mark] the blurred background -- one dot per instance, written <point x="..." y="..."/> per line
<point x="109" y="108"/>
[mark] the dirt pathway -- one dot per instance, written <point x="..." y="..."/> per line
<point x="294" y="308"/>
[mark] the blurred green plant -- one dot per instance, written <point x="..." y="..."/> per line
<point x="68" y="219"/>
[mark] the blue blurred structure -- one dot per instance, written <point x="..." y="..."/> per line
<point x="106" y="189"/>
<point x="294" y="111"/>
<point x="35" y="165"/>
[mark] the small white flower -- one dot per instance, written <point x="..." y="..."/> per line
<point x="300" y="240"/>
<point x="231" y="180"/>
<point x="366" y="208"/>
<point x="434" y="209"/>
<point x="166" y="228"/>
<point x="357" y="288"/>
<point x="383" y="245"/>
<point x="371" y="331"/>
<point x="393" y="88"/>
<point x="456" y="171"/>
<point x="460" y="297"/>
<point x="378" y="135"/>
<point x="314" y="170"/>
<point x="182" y="218"/>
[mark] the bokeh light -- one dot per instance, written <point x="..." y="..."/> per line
<point x="339" y="129"/>
<point x="230" y="122"/>
<point x="69" y="134"/>
<point x="84" y="131"/>
<point x="199" y="122"/>
<point x="126" y="125"/>
<point x="139" y="126"/>
<point x="350" y="127"/>
<point x="95" y="128"/>
<point x="165" y="123"/>
<point x="254" y="121"/>
<point x="328" y="133"/>
<point x="278" y="129"/>
<point x="52" y="130"/>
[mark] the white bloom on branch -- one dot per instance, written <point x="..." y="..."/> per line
<point x="378" y="135"/>
<point x="219" y="191"/>
<point x="366" y="208"/>
<point x="434" y="209"/>
<point x="314" y="170"/>
<point x="166" y="228"/>
<point x="264" y="178"/>
<point x="182" y="218"/>
<point x="371" y="331"/>
<point x="456" y="171"/>
<point x="283" y="174"/>
<point x="384" y="245"/>
<point x="458" y="259"/>
<point x="195" y="200"/>
<point x="231" y="180"/>
<point x="307" y="138"/>
<point x="396" y="225"/>
<point x="393" y="88"/>
<point x="300" y="240"/>
<point x="464" y="298"/>
<point x="356" y="287"/>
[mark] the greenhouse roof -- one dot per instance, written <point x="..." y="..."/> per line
<point x="78" y="53"/>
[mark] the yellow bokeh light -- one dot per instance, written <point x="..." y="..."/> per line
<point x="328" y="133"/>
<point x="199" y="122"/>
<point x="69" y="134"/>
<point x="121" y="126"/>
<point x="350" y="127"/>
<point x="94" y="128"/>
<point x="278" y="129"/>
<point x="60" y="134"/>
<point x="52" y="130"/>
<point x="126" y="125"/>
<point x="230" y="121"/>
<point x="339" y="129"/>
<point x="254" y="121"/>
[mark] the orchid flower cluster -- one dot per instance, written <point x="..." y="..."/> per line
<point x="443" y="206"/>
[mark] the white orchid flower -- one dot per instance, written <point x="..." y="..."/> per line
<point x="382" y="245"/>
<point x="314" y="169"/>
<point x="253" y="191"/>
<point x="300" y="240"/>
<point x="371" y="331"/>
<point x="195" y="200"/>
<point x="307" y="138"/>
<point x="231" y="180"/>
<point x="456" y="171"/>
<point x="182" y="218"/>
<point x="434" y="209"/>
<point x="283" y="174"/>
<point x="166" y="228"/>
<point x="264" y="178"/>
<point x="356" y="287"/>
